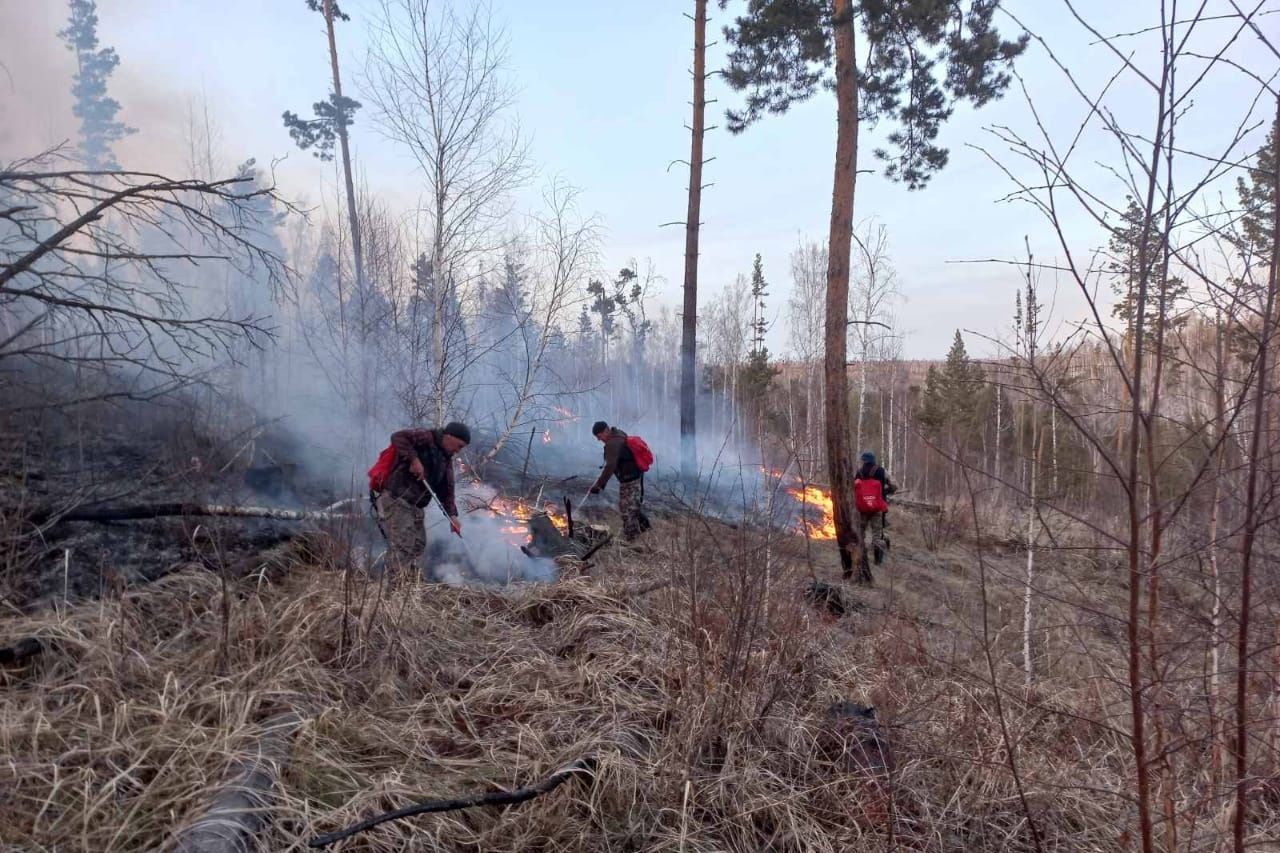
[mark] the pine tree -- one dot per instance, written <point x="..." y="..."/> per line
<point x="932" y="414"/>
<point x="332" y="119"/>
<point x="759" y="326"/>
<point x="1258" y="200"/>
<point x="605" y="307"/>
<point x="692" y="226"/>
<point x="628" y="297"/>
<point x="966" y="384"/>
<point x="954" y="401"/>
<point x="99" y="129"/>
<point x="586" y="332"/>
<point x="504" y="307"/>
<point x="1164" y="292"/>
<point x="923" y="57"/>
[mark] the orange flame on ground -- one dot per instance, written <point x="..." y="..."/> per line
<point x="521" y="511"/>
<point x="546" y="436"/>
<point x="819" y="500"/>
<point x="815" y="501"/>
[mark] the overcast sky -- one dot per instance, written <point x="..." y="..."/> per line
<point x="604" y="92"/>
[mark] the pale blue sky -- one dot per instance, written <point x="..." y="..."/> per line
<point x="603" y="95"/>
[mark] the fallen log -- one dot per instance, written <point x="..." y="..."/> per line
<point x="27" y="647"/>
<point x="161" y="510"/>
<point x="239" y="811"/>
<point x="493" y="798"/>
<point x="916" y="505"/>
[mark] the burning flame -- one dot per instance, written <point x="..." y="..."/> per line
<point x="546" y="436"/>
<point x="520" y="512"/>
<point x="812" y="496"/>
<point x="561" y="523"/>
<point x="817" y="516"/>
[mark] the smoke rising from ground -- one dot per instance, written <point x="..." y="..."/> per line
<point x="347" y="366"/>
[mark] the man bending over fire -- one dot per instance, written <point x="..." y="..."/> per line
<point x="423" y="467"/>
<point x="620" y="462"/>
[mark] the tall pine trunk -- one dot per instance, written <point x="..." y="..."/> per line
<point x="689" y="336"/>
<point x="836" y="408"/>
<point x="356" y="251"/>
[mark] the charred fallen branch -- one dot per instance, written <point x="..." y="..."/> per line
<point x="546" y="539"/>
<point x="239" y="811"/>
<point x="493" y="798"/>
<point x="161" y="510"/>
<point x="27" y="647"/>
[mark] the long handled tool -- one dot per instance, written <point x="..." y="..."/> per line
<point x="436" y="500"/>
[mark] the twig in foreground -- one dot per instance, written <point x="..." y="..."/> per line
<point x="493" y="798"/>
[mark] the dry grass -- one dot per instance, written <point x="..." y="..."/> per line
<point x="707" y="719"/>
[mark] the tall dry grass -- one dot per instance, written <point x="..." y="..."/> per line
<point x="693" y="671"/>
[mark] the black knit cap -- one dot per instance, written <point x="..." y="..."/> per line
<point x="598" y="427"/>
<point x="462" y="432"/>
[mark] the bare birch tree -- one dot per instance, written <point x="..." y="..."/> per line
<point x="806" y="318"/>
<point x="567" y="244"/>
<point x="874" y="284"/>
<point x="436" y="78"/>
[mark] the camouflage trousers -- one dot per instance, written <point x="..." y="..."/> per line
<point x="630" y="506"/>
<point x="406" y="537"/>
<point x="873" y="523"/>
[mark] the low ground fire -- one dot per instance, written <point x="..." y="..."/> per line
<point x="814" y="500"/>
<point x="816" y="517"/>
<point x="515" y="513"/>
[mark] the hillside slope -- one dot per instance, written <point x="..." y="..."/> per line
<point x="691" y="671"/>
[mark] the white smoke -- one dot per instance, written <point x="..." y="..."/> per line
<point x="488" y="551"/>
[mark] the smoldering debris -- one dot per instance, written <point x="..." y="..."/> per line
<point x="832" y="599"/>
<point x="489" y="549"/>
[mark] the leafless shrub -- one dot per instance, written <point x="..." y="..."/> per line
<point x="96" y="271"/>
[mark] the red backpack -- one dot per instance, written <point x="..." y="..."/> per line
<point x="868" y="495"/>
<point x="381" y="469"/>
<point x="640" y="452"/>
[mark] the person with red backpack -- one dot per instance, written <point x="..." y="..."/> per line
<point x="416" y="467"/>
<point x="626" y="457"/>
<point x="870" y="487"/>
